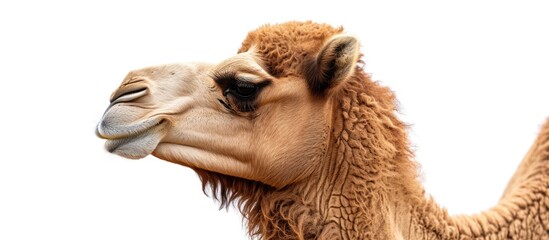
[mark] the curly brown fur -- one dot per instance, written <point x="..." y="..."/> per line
<point x="367" y="187"/>
<point x="284" y="47"/>
<point x="320" y="154"/>
<point x="369" y="143"/>
<point x="270" y="213"/>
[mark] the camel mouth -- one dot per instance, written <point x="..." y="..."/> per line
<point x="137" y="145"/>
<point x="109" y="131"/>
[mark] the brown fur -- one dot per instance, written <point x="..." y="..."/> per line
<point x="283" y="47"/>
<point x="369" y="143"/>
<point x="317" y="153"/>
<point x="379" y="153"/>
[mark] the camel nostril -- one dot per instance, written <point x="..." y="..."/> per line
<point x="128" y="94"/>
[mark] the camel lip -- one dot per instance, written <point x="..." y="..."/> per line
<point x="107" y="132"/>
<point x="138" y="145"/>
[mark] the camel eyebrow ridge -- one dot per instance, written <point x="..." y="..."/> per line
<point x="227" y="78"/>
<point x="223" y="77"/>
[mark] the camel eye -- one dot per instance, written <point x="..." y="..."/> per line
<point x="243" y="90"/>
<point x="241" y="95"/>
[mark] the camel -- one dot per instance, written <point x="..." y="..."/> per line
<point x="296" y="135"/>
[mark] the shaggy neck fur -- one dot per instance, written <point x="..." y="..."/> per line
<point x="367" y="187"/>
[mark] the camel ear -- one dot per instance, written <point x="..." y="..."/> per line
<point x="335" y="62"/>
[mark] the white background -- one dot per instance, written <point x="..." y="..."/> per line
<point x="471" y="78"/>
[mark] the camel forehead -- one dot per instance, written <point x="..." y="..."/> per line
<point x="167" y="70"/>
<point x="283" y="47"/>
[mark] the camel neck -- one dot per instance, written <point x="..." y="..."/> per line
<point x="355" y="203"/>
<point x="367" y="176"/>
<point x="367" y="187"/>
<point x="362" y="181"/>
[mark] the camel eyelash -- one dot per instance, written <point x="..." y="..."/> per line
<point x="246" y="106"/>
<point x="241" y="106"/>
<point x="222" y="78"/>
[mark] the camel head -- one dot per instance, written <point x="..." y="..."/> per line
<point x="264" y="114"/>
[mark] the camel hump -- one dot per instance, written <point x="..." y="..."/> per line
<point x="533" y="171"/>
